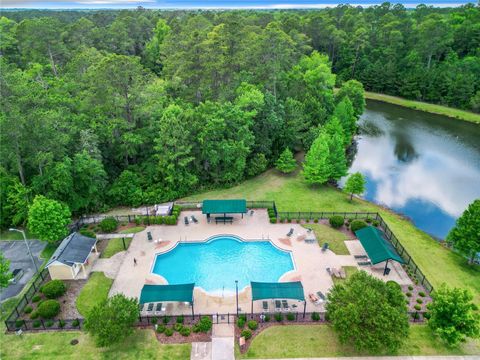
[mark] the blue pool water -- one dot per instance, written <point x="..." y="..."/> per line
<point x="215" y="265"/>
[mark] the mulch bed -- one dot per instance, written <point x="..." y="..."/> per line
<point x="415" y="295"/>
<point x="68" y="307"/>
<point x="177" y="338"/>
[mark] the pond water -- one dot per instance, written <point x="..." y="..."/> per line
<point x="424" y="166"/>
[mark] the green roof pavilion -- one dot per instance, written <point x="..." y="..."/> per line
<point x="278" y="290"/>
<point x="174" y="293"/>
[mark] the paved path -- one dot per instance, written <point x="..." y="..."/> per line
<point x="223" y="342"/>
<point x="110" y="266"/>
<point x="201" y="351"/>
<point x="406" y="357"/>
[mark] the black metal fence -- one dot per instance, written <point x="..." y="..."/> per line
<point x="319" y="215"/>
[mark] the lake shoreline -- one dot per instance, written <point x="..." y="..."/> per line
<point x="425" y="107"/>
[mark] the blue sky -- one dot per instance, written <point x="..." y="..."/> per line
<point x="168" y="4"/>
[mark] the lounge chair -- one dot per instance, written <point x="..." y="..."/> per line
<point x="265" y="306"/>
<point x="314" y="299"/>
<point x="149" y="236"/>
<point x="329" y="271"/>
<point x="251" y="212"/>
<point x="140" y="307"/>
<point x="290" y="233"/>
<point x="358" y="257"/>
<point x="159" y="308"/>
<point x="336" y="273"/>
<point x="278" y="305"/>
<point x="186" y="220"/>
<point x="364" y="263"/>
<point x="310" y="241"/>
<point x="194" y="219"/>
<point x="150" y="307"/>
<point x="285" y="305"/>
<point x="324" y="247"/>
<point x="321" y="296"/>
<point x="342" y="273"/>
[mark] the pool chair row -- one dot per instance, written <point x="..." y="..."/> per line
<point x="278" y="305"/>
<point x="151" y="309"/>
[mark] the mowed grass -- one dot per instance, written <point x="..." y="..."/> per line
<point x="132" y="230"/>
<point x="115" y="246"/>
<point x="334" y="238"/>
<point x="56" y="345"/>
<point x="94" y="292"/>
<point x="293" y="341"/>
<point x="422" y="106"/>
<point x="291" y="193"/>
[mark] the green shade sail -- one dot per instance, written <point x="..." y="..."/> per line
<point x="281" y="290"/>
<point x="224" y="206"/>
<point x="157" y="293"/>
<point x="377" y="247"/>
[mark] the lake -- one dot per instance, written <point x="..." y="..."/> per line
<point x="424" y="166"/>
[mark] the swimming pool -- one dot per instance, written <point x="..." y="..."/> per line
<point x="214" y="265"/>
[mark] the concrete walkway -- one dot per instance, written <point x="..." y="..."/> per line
<point x="201" y="351"/>
<point x="223" y="342"/>
<point x="110" y="266"/>
<point x="405" y="357"/>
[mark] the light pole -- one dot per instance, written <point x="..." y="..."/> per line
<point x="236" y="292"/>
<point x="28" y="247"/>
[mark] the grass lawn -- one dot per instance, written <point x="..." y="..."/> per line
<point x="349" y="271"/>
<point x="431" y="108"/>
<point x="291" y="193"/>
<point x="95" y="291"/>
<point x="114" y="246"/>
<point x="334" y="238"/>
<point x="14" y="235"/>
<point x="56" y="345"/>
<point x="321" y="341"/>
<point x="132" y="230"/>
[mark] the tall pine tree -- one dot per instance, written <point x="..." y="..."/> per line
<point x="317" y="168"/>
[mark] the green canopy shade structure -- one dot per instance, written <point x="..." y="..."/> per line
<point x="157" y="293"/>
<point x="224" y="206"/>
<point x="278" y="290"/>
<point x="377" y="247"/>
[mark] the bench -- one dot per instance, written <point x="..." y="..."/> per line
<point x="224" y="219"/>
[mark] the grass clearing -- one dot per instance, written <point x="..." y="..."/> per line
<point x="422" y="106"/>
<point x="334" y="238"/>
<point x="349" y="271"/>
<point x="291" y="193"/>
<point x="14" y="235"/>
<point x="94" y="292"/>
<point x="321" y="341"/>
<point x="115" y="246"/>
<point x="132" y="230"/>
<point x="52" y="345"/>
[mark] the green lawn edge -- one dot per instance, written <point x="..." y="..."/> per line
<point x="426" y="107"/>
<point x="115" y="246"/>
<point x="94" y="292"/>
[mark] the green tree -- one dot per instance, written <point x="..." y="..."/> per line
<point x="355" y="184"/>
<point x="153" y="49"/>
<point x="453" y="316"/>
<point x="48" y="219"/>
<point x="465" y="236"/>
<point x="368" y="314"/>
<point x="345" y="114"/>
<point x="257" y="164"/>
<point x="353" y="89"/>
<point x="112" y="320"/>
<point x="126" y="190"/>
<point x="316" y="167"/>
<point x="286" y="163"/>
<point x="5" y="274"/>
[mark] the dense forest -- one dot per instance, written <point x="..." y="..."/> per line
<point x="106" y="108"/>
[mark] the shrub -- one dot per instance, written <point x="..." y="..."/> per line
<point x="87" y="233"/>
<point x="61" y="323"/>
<point x="49" y="309"/>
<point x="161" y="328"/>
<point x="419" y="301"/>
<point x="421" y="293"/>
<point x="54" y="289"/>
<point x="240" y="323"/>
<point x="336" y="221"/>
<point x="393" y="284"/>
<point x="247" y="334"/>
<point x="410" y="287"/>
<point x="18" y="323"/>
<point x="273" y="220"/>
<point x="49" y="323"/>
<point x="195" y="328"/>
<point x="34" y="315"/>
<point x="36" y="298"/>
<point x="357" y="225"/>
<point x="166" y="320"/>
<point x="75" y="323"/>
<point x="168" y="332"/>
<point x="108" y="225"/>
<point x="28" y="309"/>
<point x="180" y="319"/>
<point x="243" y="316"/>
<point x="278" y="317"/>
<point x="185" y="331"/>
<point x="426" y="315"/>
<point x="315" y="220"/>
<point x="417" y="307"/>
<point x="415" y="316"/>
<point x="138" y="221"/>
<point x="368" y="220"/>
<point x="36" y="323"/>
<point x="205" y="324"/>
<point x="375" y="223"/>
<point x="290" y="317"/>
<point x="282" y="219"/>
<point x="177" y="327"/>
<point x="252" y="325"/>
<point x="409" y="294"/>
<point x="154" y="320"/>
<point x="315" y="316"/>
<point x="267" y="318"/>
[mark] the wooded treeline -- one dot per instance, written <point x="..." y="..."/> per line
<point x="105" y="108"/>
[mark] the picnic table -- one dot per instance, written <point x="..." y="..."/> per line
<point x="224" y="219"/>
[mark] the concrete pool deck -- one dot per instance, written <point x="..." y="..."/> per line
<point x="310" y="261"/>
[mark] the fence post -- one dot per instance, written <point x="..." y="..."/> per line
<point x="43" y="324"/>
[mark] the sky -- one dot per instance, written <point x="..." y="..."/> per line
<point x="211" y="4"/>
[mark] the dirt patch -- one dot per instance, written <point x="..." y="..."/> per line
<point x="101" y="245"/>
<point x="68" y="309"/>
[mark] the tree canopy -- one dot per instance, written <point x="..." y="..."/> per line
<point x="48" y="219"/>
<point x="355" y="184"/>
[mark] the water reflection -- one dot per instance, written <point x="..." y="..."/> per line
<point x="424" y="166"/>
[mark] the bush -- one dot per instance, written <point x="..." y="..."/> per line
<point x="87" y="233"/>
<point x="368" y="220"/>
<point x="154" y="320"/>
<point x="252" y="325"/>
<point x="278" y="317"/>
<point x="290" y="317"/>
<point x="426" y="315"/>
<point x="49" y="323"/>
<point x="195" y="328"/>
<point x="336" y="221"/>
<point x="61" y="323"/>
<point x="180" y="319"/>
<point x="18" y="324"/>
<point x="166" y="320"/>
<point x="36" y="298"/>
<point x="49" y="309"/>
<point x="205" y="324"/>
<point x="75" y="323"/>
<point x="177" y="327"/>
<point x="315" y="316"/>
<point x="417" y="307"/>
<point x="267" y="318"/>
<point x="409" y="294"/>
<point x="375" y="223"/>
<point x="243" y="316"/>
<point x="394" y="284"/>
<point x="108" y="225"/>
<point x="28" y="310"/>
<point x="421" y="293"/>
<point x="273" y="220"/>
<point x="138" y="221"/>
<point x="54" y="289"/>
<point x="168" y="332"/>
<point x="315" y="220"/>
<point x="247" y="334"/>
<point x="357" y="225"/>
<point x="185" y="331"/>
<point x="241" y="323"/>
<point x="34" y="315"/>
<point x="36" y="324"/>
<point x="415" y="316"/>
<point x="161" y="328"/>
<point x="419" y="301"/>
<point x="410" y="287"/>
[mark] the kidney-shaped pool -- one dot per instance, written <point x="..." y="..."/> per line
<point x="214" y="265"/>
